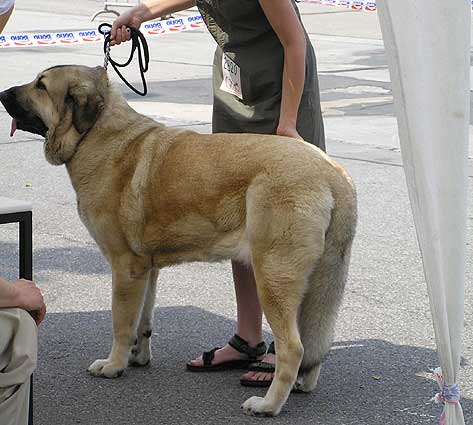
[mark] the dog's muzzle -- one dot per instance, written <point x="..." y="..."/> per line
<point x="22" y="119"/>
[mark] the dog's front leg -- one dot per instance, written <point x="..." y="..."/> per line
<point x="141" y="351"/>
<point x="127" y="300"/>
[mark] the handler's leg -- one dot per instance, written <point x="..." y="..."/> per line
<point x="249" y="316"/>
<point x="18" y="353"/>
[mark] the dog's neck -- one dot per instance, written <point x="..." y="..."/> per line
<point x="117" y="114"/>
<point x="117" y="126"/>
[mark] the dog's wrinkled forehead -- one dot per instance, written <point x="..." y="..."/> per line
<point x="64" y="76"/>
<point x="52" y="82"/>
<point x="50" y="73"/>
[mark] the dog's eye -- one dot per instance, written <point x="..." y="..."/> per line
<point x="40" y="85"/>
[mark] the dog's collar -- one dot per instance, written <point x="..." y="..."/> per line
<point x="79" y="142"/>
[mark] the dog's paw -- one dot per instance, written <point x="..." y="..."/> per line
<point x="140" y="355"/>
<point x="258" y="406"/>
<point x="302" y="386"/>
<point x="105" y="368"/>
<point x="307" y="381"/>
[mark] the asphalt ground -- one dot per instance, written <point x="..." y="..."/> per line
<point x="378" y="369"/>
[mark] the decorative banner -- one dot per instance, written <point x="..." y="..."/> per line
<point x="149" y="29"/>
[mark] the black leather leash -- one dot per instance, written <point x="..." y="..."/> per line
<point x="138" y="41"/>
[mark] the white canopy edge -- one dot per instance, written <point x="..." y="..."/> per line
<point x="428" y="48"/>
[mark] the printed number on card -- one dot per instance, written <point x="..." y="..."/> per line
<point x="231" y="77"/>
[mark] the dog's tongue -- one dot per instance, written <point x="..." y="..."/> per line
<point x="13" y="127"/>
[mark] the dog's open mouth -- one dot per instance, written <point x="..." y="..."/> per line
<point x="33" y="125"/>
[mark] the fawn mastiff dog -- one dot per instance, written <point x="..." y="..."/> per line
<point x="153" y="196"/>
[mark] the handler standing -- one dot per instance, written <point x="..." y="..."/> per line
<point x="264" y="81"/>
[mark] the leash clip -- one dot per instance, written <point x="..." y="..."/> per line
<point x="106" y="57"/>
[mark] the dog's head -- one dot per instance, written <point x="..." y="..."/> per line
<point x="61" y="104"/>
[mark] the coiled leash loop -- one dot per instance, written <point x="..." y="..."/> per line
<point x="137" y="41"/>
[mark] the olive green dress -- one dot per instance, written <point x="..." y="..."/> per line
<point x="245" y="36"/>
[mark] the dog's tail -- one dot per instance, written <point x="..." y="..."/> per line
<point x="325" y="287"/>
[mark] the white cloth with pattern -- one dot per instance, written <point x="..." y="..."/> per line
<point x="428" y="47"/>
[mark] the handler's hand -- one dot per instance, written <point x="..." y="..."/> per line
<point x="30" y="299"/>
<point x="288" y="131"/>
<point x="119" y="32"/>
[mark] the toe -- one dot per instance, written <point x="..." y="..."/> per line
<point x="257" y="376"/>
<point x="264" y="376"/>
<point x="249" y="375"/>
<point x="197" y="362"/>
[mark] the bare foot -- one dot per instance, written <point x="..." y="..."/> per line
<point x="261" y="376"/>
<point x="224" y="354"/>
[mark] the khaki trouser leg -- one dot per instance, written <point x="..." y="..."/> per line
<point x="18" y="352"/>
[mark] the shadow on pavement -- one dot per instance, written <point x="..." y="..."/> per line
<point x="77" y="260"/>
<point x="196" y="91"/>
<point x="362" y="382"/>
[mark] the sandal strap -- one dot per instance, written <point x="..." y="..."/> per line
<point x="261" y="367"/>
<point x="208" y="356"/>
<point x="271" y="348"/>
<point x="242" y="346"/>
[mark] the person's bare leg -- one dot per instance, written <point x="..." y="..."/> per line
<point x="4" y="19"/>
<point x="249" y="314"/>
<point x="249" y="324"/>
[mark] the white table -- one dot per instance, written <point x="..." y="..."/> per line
<point x="15" y="211"/>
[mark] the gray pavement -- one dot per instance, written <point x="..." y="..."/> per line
<point x="378" y="369"/>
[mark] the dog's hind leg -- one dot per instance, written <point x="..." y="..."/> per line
<point x="127" y="300"/>
<point x="286" y="242"/>
<point x="281" y="268"/>
<point x="280" y="297"/>
<point x="141" y="350"/>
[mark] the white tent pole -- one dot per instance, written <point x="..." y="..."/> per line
<point x="428" y="47"/>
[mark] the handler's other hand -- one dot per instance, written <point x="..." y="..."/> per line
<point x="119" y="32"/>
<point x="30" y="299"/>
<point x="288" y="131"/>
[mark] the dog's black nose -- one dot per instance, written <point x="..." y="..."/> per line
<point x="3" y="95"/>
<point x="7" y="95"/>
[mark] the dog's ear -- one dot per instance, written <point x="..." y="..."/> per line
<point x="86" y="103"/>
<point x="83" y="100"/>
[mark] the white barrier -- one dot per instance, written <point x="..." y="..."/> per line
<point x="148" y="29"/>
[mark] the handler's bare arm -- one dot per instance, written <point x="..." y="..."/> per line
<point x="282" y="17"/>
<point x="145" y="12"/>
